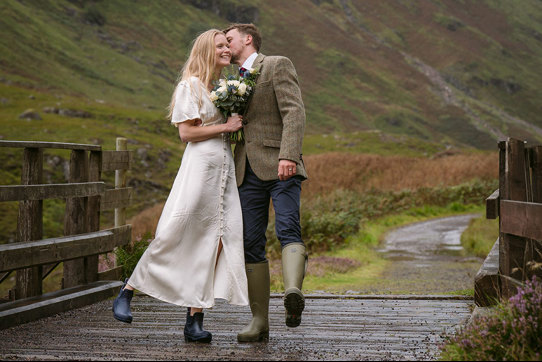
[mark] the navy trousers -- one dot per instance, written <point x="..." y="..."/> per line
<point x="255" y="195"/>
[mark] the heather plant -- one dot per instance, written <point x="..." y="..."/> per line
<point x="513" y="332"/>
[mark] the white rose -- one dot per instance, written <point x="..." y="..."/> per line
<point x="213" y="96"/>
<point x="235" y="83"/>
<point x="222" y="89"/>
<point x="242" y="89"/>
<point x="222" y="82"/>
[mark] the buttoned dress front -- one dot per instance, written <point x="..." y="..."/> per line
<point x="180" y="265"/>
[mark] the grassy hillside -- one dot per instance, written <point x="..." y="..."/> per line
<point x="463" y="72"/>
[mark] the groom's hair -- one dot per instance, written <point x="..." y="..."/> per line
<point x="248" y="29"/>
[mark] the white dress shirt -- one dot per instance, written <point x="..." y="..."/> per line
<point x="250" y="60"/>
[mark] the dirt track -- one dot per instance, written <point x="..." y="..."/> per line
<point x="427" y="258"/>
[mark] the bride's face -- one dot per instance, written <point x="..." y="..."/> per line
<point x="223" y="52"/>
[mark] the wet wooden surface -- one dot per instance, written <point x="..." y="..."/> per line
<point x="333" y="328"/>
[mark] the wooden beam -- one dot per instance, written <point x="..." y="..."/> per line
<point x="536" y="169"/>
<point x="30" y="223"/>
<point x="516" y="170"/>
<point x="23" y="255"/>
<point x="492" y="205"/>
<point x="116" y="160"/>
<point x="116" y="198"/>
<point x="76" y="219"/>
<point x="512" y="247"/>
<point x="94" y="175"/>
<point x="57" y="145"/>
<point x="50" y="191"/>
<point x="487" y="281"/>
<point x="111" y="274"/>
<point x="120" y="182"/>
<point x="29" y="309"/>
<point x="522" y="219"/>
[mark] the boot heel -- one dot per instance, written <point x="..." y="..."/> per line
<point x="294" y="303"/>
<point x="263" y="337"/>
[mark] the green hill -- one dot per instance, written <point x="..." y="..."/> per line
<point x="422" y="74"/>
<point x="464" y="72"/>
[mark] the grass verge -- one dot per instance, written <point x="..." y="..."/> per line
<point x="479" y="237"/>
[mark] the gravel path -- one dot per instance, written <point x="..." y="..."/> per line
<point x="427" y="258"/>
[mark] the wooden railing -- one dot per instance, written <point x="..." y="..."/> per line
<point x="517" y="253"/>
<point x="32" y="258"/>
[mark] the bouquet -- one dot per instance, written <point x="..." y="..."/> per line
<point x="231" y="95"/>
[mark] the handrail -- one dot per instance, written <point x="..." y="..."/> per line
<point x="55" y="145"/>
<point x="50" y="191"/>
<point x="28" y="254"/>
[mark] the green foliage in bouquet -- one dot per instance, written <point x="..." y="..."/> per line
<point x="231" y="95"/>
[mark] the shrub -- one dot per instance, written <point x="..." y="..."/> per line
<point x="129" y="255"/>
<point x="513" y="332"/>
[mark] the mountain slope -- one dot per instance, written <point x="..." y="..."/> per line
<point x="459" y="72"/>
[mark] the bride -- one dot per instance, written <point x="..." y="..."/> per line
<point x="197" y="254"/>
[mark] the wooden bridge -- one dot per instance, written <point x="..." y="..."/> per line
<point x="351" y="327"/>
<point x="333" y="328"/>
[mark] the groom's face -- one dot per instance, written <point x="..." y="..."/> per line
<point x="237" y="42"/>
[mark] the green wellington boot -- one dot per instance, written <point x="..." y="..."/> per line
<point x="294" y="267"/>
<point x="258" y="295"/>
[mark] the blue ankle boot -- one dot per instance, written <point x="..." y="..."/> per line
<point x="121" y="305"/>
<point x="193" y="329"/>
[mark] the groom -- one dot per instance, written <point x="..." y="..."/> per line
<point x="269" y="166"/>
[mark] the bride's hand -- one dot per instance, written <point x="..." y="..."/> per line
<point x="234" y="123"/>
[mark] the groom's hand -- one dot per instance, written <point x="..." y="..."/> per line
<point x="287" y="169"/>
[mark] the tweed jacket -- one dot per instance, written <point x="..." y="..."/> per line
<point x="274" y="121"/>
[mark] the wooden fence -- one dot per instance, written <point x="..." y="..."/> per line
<point x="32" y="258"/>
<point x="517" y="253"/>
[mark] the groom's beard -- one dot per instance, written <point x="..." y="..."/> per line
<point x="234" y="59"/>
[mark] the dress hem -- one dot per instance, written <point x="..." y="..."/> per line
<point x="229" y="301"/>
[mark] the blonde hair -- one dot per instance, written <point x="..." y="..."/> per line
<point x="200" y="64"/>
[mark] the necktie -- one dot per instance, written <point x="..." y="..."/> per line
<point x="242" y="71"/>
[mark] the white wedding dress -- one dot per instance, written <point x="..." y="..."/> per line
<point x="180" y="265"/>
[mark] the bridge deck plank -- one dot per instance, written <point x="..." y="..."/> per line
<point x="332" y="329"/>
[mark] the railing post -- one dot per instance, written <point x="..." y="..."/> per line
<point x="120" y="182"/>
<point x="535" y="247"/>
<point x="536" y="165"/>
<point x="30" y="223"/>
<point x="91" y="262"/>
<point x="512" y="247"/>
<point x="76" y="220"/>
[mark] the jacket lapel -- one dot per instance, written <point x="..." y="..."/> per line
<point x="258" y="64"/>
